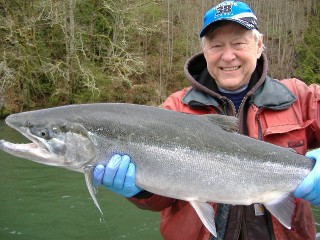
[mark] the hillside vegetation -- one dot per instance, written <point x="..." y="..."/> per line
<point x="57" y="52"/>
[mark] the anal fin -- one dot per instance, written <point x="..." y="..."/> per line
<point x="282" y="209"/>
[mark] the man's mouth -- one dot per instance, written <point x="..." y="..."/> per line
<point x="230" y="68"/>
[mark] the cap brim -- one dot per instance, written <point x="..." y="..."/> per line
<point x="243" y="23"/>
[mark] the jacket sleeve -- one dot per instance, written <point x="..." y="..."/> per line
<point x="174" y="101"/>
<point x="313" y="109"/>
<point x="308" y="99"/>
<point x="153" y="202"/>
<point x="310" y="103"/>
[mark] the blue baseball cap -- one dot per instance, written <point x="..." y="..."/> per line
<point x="235" y="11"/>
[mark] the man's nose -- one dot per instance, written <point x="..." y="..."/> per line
<point x="228" y="53"/>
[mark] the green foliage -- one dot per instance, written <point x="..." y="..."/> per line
<point x="121" y="51"/>
<point x="308" y="53"/>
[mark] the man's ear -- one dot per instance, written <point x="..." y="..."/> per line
<point x="260" y="47"/>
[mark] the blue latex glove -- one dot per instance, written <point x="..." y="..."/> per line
<point x="118" y="176"/>
<point x="309" y="189"/>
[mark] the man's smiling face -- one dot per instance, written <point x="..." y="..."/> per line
<point x="231" y="53"/>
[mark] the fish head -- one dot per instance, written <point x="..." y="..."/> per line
<point x="55" y="141"/>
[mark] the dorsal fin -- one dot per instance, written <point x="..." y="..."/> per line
<point x="227" y="123"/>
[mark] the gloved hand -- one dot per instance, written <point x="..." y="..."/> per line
<point x="309" y="189"/>
<point x="118" y="176"/>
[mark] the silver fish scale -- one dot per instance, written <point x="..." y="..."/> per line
<point x="226" y="179"/>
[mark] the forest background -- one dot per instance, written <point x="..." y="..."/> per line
<point x="58" y="52"/>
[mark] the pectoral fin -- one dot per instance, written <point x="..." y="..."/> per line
<point x="206" y="214"/>
<point x="88" y="176"/>
<point x="282" y="209"/>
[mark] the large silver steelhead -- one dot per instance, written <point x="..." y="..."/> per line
<point x="195" y="158"/>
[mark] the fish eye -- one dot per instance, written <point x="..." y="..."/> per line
<point x="43" y="132"/>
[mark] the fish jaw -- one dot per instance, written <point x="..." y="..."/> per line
<point x="54" y="144"/>
<point x="34" y="151"/>
<point x="19" y="150"/>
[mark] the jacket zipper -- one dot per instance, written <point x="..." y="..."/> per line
<point x="225" y="103"/>
<point x="240" y="106"/>
<point x="260" y="135"/>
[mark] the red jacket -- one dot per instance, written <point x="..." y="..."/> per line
<point x="286" y="113"/>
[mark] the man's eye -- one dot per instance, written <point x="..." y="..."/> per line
<point x="214" y="48"/>
<point x="239" y="45"/>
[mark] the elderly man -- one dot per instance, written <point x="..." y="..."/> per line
<point x="230" y="77"/>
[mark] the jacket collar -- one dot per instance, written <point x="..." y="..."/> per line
<point x="273" y="95"/>
<point x="197" y="99"/>
<point x="204" y="91"/>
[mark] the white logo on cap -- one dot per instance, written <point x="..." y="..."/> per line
<point x="224" y="9"/>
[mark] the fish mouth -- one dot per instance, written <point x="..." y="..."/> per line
<point x="37" y="144"/>
<point x="36" y="148"/>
